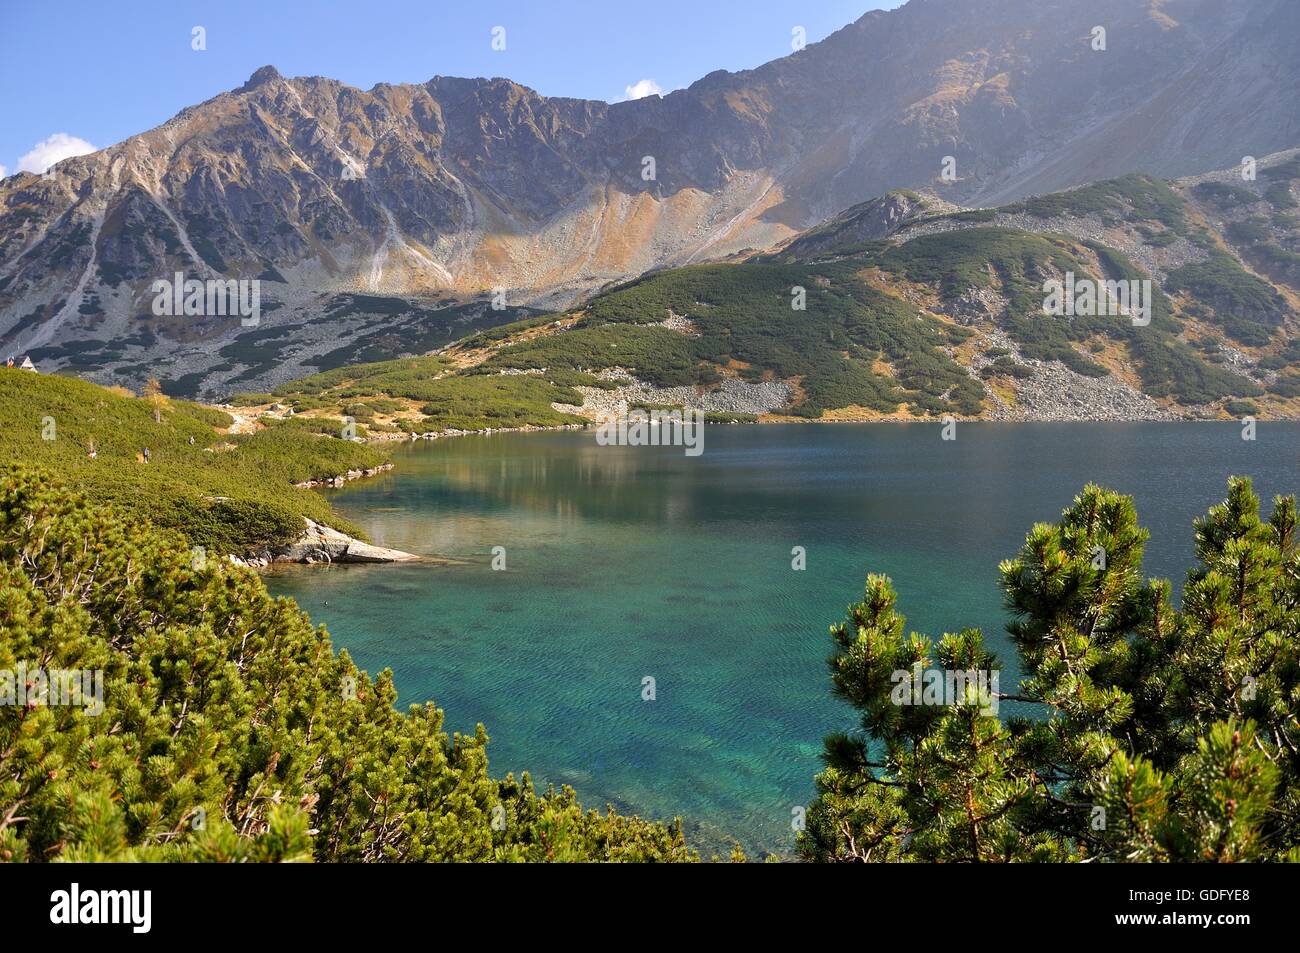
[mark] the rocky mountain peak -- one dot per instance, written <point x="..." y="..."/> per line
<point x="457" y="187"/>
<point x="260" y="77"/>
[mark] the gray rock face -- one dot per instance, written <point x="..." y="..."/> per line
<point x="322" y="544"/>
<point x="343" y="478"/>
<point x="459" y="186"/>
<point x="868" y="221"/>
<point x="730" y="396"/>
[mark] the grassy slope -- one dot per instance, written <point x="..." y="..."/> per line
<point x="744" y="319"/>
<point x="420" y="394"/>
<point x="873" y="334"/>
<point x="851" y="327"/>
<point x="229" y="493"/>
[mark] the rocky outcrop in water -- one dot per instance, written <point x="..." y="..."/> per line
<point x="323" y="544"/>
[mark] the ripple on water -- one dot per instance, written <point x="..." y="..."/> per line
<point x="628" y="563"/>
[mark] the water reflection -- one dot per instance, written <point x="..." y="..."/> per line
<point x="624" y="562"/>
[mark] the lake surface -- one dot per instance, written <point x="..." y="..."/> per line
<point x="625" y="563"/>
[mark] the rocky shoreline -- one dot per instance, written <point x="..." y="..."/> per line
<point x="323" y="544"/>
<point x="439" y="434"/>
<point x="1054" y="394"/>
<point x="345" y="477"/>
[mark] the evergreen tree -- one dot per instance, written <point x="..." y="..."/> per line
<point x="1152" y="733"/>
<point x="230" y="730"/>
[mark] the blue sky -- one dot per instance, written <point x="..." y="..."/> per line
<point x="101" y="71"/>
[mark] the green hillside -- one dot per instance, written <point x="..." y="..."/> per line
<point x="861" y="343"/>
<point x="229" y="730"/>
<point x="231" y="493"/>
<point x="423" y="394"/>
<point x="944" y="316"/>
<point x="745" y="318"/>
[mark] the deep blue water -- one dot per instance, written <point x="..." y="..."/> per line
<point x="623" y="563"/>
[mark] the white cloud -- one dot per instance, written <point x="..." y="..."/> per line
<point x="3" y="171"/>
<point x="54" y="149"/>
<point x="646" y="87"/>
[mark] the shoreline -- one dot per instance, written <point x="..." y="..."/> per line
<point x="312" y="547"/>
<point x="322" y="544"/>
<point x="797" y="421"/>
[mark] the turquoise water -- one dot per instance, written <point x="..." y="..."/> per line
<point x="623" y="563"/>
